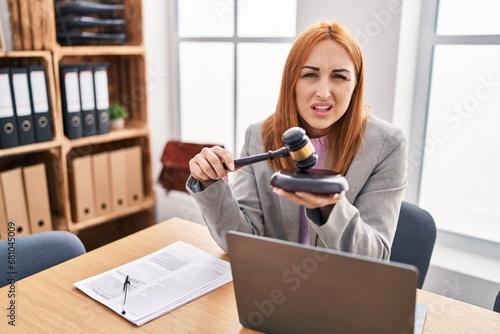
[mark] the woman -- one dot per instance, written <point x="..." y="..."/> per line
<point x="322" y="92"/>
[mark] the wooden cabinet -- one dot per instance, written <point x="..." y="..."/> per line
<point x="34" y="38"/>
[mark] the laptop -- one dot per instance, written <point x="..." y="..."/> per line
<point x="285" y="287"/>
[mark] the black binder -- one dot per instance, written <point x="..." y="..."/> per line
<point x="40" y="103"/>
<point x="89" y="22"/>
<point x="8" y="126"/>
<point x="22" y="105"/>
<point x="88" y="37"/>
<point x="101" y="97"/>
<point x="85" y="7"/>
<point x="87" y="99"/>
<point x="70" y="93"/>
<point x="74" y="21"/>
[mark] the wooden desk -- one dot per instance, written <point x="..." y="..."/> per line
<point x="49" y="303"/>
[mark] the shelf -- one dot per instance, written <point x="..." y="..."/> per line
<point x="25" y="149"/>
<point x="126" y="79"/>
<point x="99" y="50"/>
<point x="98" y="235"/>
<point x="147" y="204"/>
<point x="36" y="58"/>
<point x="112" y="136"/>
<point x="34" y="32"/>
<point x="33" y="24"/>
<point x="25" y="54"/>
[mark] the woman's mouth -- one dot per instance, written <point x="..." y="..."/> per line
<point x="321" y="110"/>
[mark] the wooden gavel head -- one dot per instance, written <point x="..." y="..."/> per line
<point x="300" y="148"/>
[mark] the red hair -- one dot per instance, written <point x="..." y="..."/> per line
<point x="346" y="134"/>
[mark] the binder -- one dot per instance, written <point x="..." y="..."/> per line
<point x="87" y="37"/>
<point x="8" y="125"/>
<point x="37" y="198"/>
<point x="135" y="185"/>
<point x="14" y="196"/>
<point x="22" y="105"/>
<point x="40" y="101"/>
<point x="87" y="99"/>
<point x="3" y="217"/>
<point x="118" y="173"/>
<point x="70" y="93"/>
<point x="82" y="188"/>
<point x="101" y="97"/>
<point x="73" y="21"/>
<point x="85" y="7"/>
<point x="102" y="187"/>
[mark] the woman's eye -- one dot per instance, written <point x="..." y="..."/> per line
<point x="308" y="75"/>
<point x="339" y="76"/>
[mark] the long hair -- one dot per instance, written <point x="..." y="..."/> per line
<point x="346" y="134"/>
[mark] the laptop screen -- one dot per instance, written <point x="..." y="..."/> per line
<point x="285" y="287"/>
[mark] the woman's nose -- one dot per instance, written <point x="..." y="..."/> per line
<point x="323" y="91"/>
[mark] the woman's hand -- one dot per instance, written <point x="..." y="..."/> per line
<point x="207" y="166"/>
<point x="309" y="200"/>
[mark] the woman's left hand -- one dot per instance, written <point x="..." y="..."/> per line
<point x="309" y="200"/>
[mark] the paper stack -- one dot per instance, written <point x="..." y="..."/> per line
<point x="159" y="282"/>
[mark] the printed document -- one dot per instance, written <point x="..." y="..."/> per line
<point x="159" y="282"/>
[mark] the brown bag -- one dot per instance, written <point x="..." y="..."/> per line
<point x="175" y="160"/>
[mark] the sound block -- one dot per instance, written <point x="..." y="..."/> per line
<point x="315" y="181"/>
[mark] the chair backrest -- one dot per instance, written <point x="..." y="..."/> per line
<point x="496" y="306"/>
<point x="36" y="252"/>
<point x="415" y="238"/>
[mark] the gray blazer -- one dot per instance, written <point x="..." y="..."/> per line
<point x="363" y="221"/>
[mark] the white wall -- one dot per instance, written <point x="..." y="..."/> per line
<point x="375" y="24"/>
<point x="160" y="80"/>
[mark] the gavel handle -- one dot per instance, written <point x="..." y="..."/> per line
<point x="240" y="162"/>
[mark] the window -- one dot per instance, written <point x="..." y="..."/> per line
<point x="459" y="175"/>
<point x="229" y="67"/>
<point x="468" y="17"/>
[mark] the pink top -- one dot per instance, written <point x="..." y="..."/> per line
<point x="320" y="145"/>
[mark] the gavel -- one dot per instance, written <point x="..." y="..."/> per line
<point x="300" y="148"/>
<point x="297" y="145"/>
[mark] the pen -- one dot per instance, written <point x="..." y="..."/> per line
<point x="125" y="292"/>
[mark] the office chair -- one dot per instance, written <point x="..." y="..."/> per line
<point x="415" y="238"/>
<point x="37" y="252"/>
<point x="496" y="307"/>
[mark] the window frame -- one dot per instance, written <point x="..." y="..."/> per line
<point x="235" y="40"/>
<point x="416" y="141"/>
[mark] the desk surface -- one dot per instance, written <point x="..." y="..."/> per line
<point x="49" y="303"/>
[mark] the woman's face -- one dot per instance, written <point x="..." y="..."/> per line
<point x="324" y="88"/>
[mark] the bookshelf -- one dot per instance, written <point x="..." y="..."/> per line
<point x="34" y="39"/>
